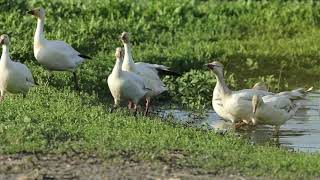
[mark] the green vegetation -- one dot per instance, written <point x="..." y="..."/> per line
<point x="255" y="41"/>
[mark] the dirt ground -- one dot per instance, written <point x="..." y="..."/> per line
<point x="86" y="167"/>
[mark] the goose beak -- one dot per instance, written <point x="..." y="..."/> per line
<point x="209" y="65"/>
<point x="1" y="41"/>
<point x="30" y="12"/>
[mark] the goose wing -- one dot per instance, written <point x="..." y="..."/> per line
<point x="62" y="46"/>
<point x="24" y="70"/>
<point x="247" y="94"/>
<point x="65" y="49"/>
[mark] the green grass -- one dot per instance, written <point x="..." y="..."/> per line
<point x="255" y="41"/>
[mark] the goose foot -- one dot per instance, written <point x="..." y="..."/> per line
<point x="240" y="124"/>
<point x="112" y="109"/>
<point x="1" y="98"/>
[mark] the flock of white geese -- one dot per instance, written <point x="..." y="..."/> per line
<point x="132" y="82"/>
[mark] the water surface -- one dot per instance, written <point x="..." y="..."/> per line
<point x="301" y="133"/>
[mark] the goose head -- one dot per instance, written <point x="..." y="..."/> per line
<point x="124" y="37"/>
<point x="260" y="86"/>
<point x="119" y="53"/>
<point x="216" y="67"/>
<point x="256" y="103"/>
<point x="37" y="12"/>
<point x="4" y="39"/>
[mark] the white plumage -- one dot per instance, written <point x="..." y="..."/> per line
<point x="126" y="85"/>
<point x="15" y="77"/>
<point x="54" y="55"/>
<point x="234" y="106"/>
<point x="273" y="110"/>
<point x="150" y="72"/>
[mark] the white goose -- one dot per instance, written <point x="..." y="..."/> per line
<point x="296" y="94"/>
<point x="54" y="55"/>
<point x="150" y="72"/>
<point x="126" y="85"/>
<point x="234" y="106"/>
<point x="14" y="76"/>
<point x="273" y="110"/>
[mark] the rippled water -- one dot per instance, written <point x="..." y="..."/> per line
<point x="301" y="133"/>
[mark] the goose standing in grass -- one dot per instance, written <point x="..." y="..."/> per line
<point x="150" y="72"/>
<point x="52" y="54"/>
<point x="126" y="85"/>
<point x="234" y="106"/>
<point x="273" y="110"/>
<point x="14" y="76"/>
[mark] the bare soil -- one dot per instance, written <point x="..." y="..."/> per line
<point x="86" y="167"/>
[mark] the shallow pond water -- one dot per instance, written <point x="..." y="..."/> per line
<point x="301" y="133"/>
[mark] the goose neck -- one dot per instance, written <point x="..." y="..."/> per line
<point x="5" y="53"/>
<point x="117" y="69"/>
<point x="221" y="85"/>
<point x="128" y="60"/>
<point x="39" y="34"/>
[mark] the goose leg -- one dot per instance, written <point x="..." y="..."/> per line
<point x="277" y="131"/>
<point x="50" y="76"/>
<point x="75" y="80"/>
<point x="147" y="106"/>
<point x="130" y="104"/>
<point x="1" y="96"/>
<point x="135" y="109"/>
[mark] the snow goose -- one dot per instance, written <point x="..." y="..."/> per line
<point x="150" y="72"/>
<point x="52" y="54"/>
<point x="273" y="110"/>
<point x="14" y="76"/>
<point x="234" y="106"/>
<point x="126" y="85"/>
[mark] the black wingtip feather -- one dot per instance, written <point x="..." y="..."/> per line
<point x="84" y="56"/>
<point x="168" y="72"/>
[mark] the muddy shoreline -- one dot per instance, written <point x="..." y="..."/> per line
<point x="82" y="166"/>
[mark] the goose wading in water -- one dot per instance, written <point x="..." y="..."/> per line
<point x="273" y="110"/>
<point x="234" y="106"/>
<point x="126" y="85"/>
<point x="54" y="55"/>
<point x="15" y="77"/>
<point x="150" y="72"/>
